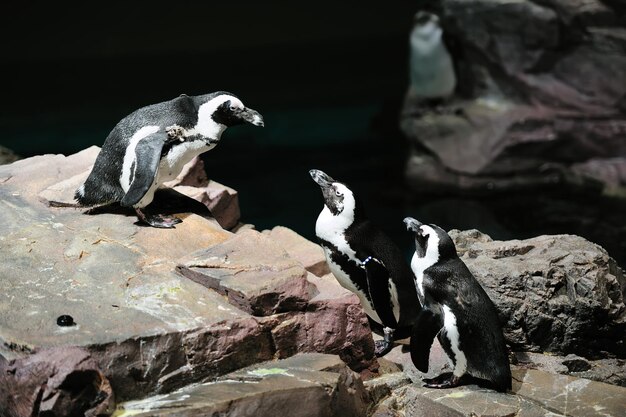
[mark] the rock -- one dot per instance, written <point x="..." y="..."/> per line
<point x="253" y="272"/>
<point x="309" y="254"/>
<point x="568" y="395"/>
<point x="560" y="294"/>
<point x="148" y="328"/>
<point x="381" y="387"/>
<point x="222" y="201"/>
<point x="611" y="371"/>
<point x="535" y="393"/>
<point x="55" y="382"/>
<point x="298" y="386"/>
<point x="539" y="100"/>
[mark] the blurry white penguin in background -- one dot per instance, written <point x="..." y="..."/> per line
<point x="431" y="68"/>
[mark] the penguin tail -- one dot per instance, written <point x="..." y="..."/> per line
<point x="89" y="195"/>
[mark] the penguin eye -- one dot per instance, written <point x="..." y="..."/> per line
<point x="338" y="193"/>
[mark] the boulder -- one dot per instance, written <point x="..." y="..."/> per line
<point x="539" y="100"/>
<point x="55" y="382"/>
<point x="559" y="293"/>
<point x="308" y="385"/>
<point x="149" y="329"/>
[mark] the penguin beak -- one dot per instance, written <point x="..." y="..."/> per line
<point x="252" y="117"/>
<point x="321" y="178"/>
<point x="412" y="224"/>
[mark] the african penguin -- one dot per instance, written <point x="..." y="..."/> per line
<point x="151" y="145"/>
<point x="457" y="310"/>
<point x="431" y="67"/>
<point x="365" y="261"/>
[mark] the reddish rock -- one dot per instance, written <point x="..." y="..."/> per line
<point x="309" y="254"/>
<point x="254" y="273"/>
<point x="58" y="382"/>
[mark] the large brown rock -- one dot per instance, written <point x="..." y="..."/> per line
<point x="148" y="328"/>
<point x="539" y="100"/>
<point x="559" y="294"/>
<point x="58" y="382"/>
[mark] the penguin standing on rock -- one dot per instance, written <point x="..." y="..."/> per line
<point x="365" y="261"/>
<point x="151" y="145"/>
<point x="457" y="310"/>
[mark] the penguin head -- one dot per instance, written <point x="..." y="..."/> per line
<point x="225" y="109"/>
<point x="431" y="240"/>
<point x="338" y="198"/>
<point x="426" y="28"/>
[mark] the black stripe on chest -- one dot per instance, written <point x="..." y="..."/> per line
<point x="355" y="272"/>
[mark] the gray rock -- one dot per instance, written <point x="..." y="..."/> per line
<point x="305" y="385"/>
<point x="611" y="371"/>
<point x="539" y="101"/>
<point x="559" y="294"/>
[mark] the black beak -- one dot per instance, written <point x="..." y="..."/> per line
<point x="321" y="178"/>
<point x="252" y="117"/>
<point x="412" y="224"/>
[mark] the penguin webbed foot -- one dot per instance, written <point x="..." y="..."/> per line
<point x="445" y="380"/>
<point x="382" y="347"/>
<point x="158" y="220"/>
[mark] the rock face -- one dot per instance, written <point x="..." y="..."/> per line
<point x="558" y="294"/>
<point x="57" y="382"/>
<point x="307" y="385"/>
<point x="539" y="100"/>
<point x="149" y="329"/>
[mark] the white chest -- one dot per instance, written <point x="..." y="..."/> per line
<point x="172" y="164"/>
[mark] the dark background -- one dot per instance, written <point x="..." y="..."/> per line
<point x="329" y="78"/>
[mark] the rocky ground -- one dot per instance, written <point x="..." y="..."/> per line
<point x="216" y="318"/>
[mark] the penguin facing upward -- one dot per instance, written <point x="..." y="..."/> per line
<point x="458" y="311"/>
<point x="432" y="73"/>
<point x="151" y="145"/>
<point x="365" y="261"/>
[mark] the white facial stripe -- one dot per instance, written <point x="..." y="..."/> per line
<point x="129" y="156"/>
<point x="206" y="126"/>
<point x="419" y="265"/>
<point x="452" y="332"/>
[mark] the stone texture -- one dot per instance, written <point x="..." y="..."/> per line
<point x="222" y="201"/>
<point x="539" y="100"/>
<point x="611" y="371"/>
<point x="304" y="385"/>
<point x="559" y="293"/>
<point x="148" y="328"/>
<point x="309" y="254"/>
<point x="56" y="382"/>
<point x="253" y="272"/>
<point x="568" y="395"/>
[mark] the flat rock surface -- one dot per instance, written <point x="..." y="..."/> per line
<point x="304" y="385"/>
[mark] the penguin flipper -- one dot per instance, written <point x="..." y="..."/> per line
<point x="147" y="157"/>
<point x="378" y="285"/>
<point x="425" y="329"/>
